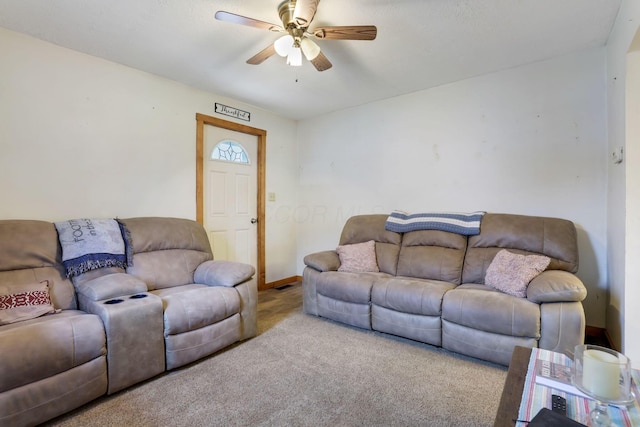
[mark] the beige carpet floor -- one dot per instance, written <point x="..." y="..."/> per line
<point x="307" y="371"/>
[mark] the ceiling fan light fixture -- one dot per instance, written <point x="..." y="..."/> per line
<point x="310" y="49"/>
<point x="295" y="57"/>
<point x="284" y="45"/>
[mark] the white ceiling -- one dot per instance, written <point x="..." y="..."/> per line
<point x="420" y="43"/>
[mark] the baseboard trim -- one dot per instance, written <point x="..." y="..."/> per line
<point x="282" y="282"/>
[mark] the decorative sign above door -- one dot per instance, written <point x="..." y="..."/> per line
<point x="233" y="112"/>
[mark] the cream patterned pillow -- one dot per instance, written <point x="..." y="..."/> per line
<point x="358" y="258"/>
<point x="511" y="273"/>
<point x="24" y="302"/>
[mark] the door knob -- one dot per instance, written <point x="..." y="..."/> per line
<point x="254" y="220"/>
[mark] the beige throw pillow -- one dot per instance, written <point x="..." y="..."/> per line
<point x="358" y="258"/>
<point x="24" y="302"/>
<point x="511" y="273"/>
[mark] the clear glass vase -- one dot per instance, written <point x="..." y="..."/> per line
<point x="605" y="375"/>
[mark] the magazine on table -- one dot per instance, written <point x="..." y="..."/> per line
<point x="557" y="376"/>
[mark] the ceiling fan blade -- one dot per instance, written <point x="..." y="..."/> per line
<point x="350" y="32"/>
<point x="243" y="20"/>
<point x="261" y="56"/>
<point x="305" y="11"/>
<point x="313" y="54"/>
<point x="321" y="62"/>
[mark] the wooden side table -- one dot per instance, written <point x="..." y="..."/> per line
<point x="513" y="387"/>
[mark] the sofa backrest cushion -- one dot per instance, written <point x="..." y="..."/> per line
<point x="167" y="251"/>
<point x="521" y="234"/>
<point x="30" y="252"/>
<point x="362" y="228"/>
<point x="432" y="254"/>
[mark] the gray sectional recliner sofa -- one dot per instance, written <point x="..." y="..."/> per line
<point x="431" y="286"/>
<point x="114" y="327"/>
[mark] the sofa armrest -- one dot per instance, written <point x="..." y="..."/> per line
<point x="556" y="286"/>
<point x="323" y="261"/>
<point x="223" y="273"/>
<point x="111" y="286"/>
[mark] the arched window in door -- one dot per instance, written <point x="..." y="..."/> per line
<point x="229" y="151"/>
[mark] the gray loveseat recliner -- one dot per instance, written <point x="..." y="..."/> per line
<point x="431" y="289"/>
<point x="116" y="327"/>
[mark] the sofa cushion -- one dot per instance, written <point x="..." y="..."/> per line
<point x="28" y="244"/>
<point x="511" y="273"/>
<point x="30" y="253"/>
<point x="167" y="251"/>
<point x="527" y="235"/>
<point x="158" y="233"/>
<point x="349" y="287"/>
<point x="43" y="347"/>
<point x="358" y="257"/>
<point x="24" y="302"/>
<point x="187" y="308"/>
<point x="432" y="254"/>
<point x="167" y="268"/>
<point x="414" y="296"/>
<point x="483" y="308"/>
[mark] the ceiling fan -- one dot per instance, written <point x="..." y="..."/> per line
<point x="296" y="16"/>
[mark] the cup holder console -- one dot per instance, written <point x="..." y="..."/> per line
<point x="119" y="300"/>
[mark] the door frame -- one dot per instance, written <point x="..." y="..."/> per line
<point x="202" y="120"/>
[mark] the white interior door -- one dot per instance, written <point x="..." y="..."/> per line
<point x="230" y="188"/>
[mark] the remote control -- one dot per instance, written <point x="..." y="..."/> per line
<point x="559" y="404"/>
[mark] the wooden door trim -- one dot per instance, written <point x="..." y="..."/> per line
<point x="202" y="120"/>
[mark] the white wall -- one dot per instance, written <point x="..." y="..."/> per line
<point x="84" y="137"/>
<point x="529" y="140"/>
<point x="623" y="204"/>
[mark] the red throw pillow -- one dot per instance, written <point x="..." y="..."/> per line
<point x="24" y="302"/>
